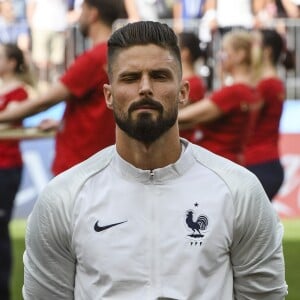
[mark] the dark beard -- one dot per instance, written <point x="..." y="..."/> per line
<point x="145" y="129"/>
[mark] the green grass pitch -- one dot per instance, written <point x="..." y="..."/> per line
<point x="291" y="247"/>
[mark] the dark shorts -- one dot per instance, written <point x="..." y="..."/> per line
<point x="271" y="176"/>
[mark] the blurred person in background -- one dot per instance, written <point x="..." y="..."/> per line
<point x="76" y="43"/>
<point x="227" y="115"/>
<point x="164" y="8"/>
<point x="13" y="26"/>
<point x="15" y="78"/>
<point x="48" y="24"/>
<point x="225" y="15"/>
<point x="276" y="12"/>
<point x="222" y="16"/>
<point x="185" y="12"/>
<point x="287" y="8"/>
<point x="141" y="10"/>
<point x="191" y="53"/>
<point x="149" y="9"/>
<point x="87" y="125"/>
<point x="261" y="153"/>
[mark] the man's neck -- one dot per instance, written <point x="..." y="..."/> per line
<point x="164" y="151"/>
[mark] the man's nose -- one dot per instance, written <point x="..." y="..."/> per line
<point x="145" y="86"/>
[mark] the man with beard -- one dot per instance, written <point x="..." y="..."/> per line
<point x="87" y="125"/>
<point x="153" y="216"/>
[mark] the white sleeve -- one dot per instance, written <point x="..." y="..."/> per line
<point x="256" y="253"/>
<point x="49" y="265"/>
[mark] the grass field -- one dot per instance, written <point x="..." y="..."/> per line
<point x="291" y="246"/>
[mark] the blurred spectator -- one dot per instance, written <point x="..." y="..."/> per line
<point x="191" y="53"/>
<point x="262" y="153"/>
<point x="48" y="23"/>
<point x="277" y="11"/>
<point x="225" y="15"/>
<point x="75" y="42"/>
<point x="164" y="8"/>
<point x="15" y="76"/>
<point x="13" y="25"/>
<point x="87" y="125"/>
<point x="228" y="114"/>
<point x="221" y="16"/>
<point x="141" y="10"/>
<point x="185" y="12"/>
<point x="149" y="9"/>
<point x="287" y="8"/>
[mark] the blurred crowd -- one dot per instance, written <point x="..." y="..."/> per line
<point x="41" y="28"/>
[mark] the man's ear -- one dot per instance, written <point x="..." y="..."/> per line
<point x="184" y="92"/>
<point x="108" y="95"/>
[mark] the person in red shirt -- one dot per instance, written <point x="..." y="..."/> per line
<point x="191" y="53"/>
<point x="87" y="125"/>
<point x="15" y="77"/>
<point x="262" y="154"/>
<point x="228" y="114"/>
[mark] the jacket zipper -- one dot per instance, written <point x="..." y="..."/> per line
<point x="153" y="242"/>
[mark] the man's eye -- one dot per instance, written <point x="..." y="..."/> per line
<point x="159" y="76"/>
<point x="129" y="78"/>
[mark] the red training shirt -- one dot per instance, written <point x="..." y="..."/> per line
<point x="87" y="124"/>
<point x="197" y="92"/>
<point x="11" y="156"/>
<point x="263" y="145"/>
<point x="227" y="135"/>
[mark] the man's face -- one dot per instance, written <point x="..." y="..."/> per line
<point x="144" y="92"/>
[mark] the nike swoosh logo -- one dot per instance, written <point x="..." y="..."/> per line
<point x="98" y="228"/>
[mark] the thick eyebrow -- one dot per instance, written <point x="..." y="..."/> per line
<point x="163" y="71"/>
<point x="128" y="73"/>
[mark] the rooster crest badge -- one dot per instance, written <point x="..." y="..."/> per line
<point x="196" y="225"/>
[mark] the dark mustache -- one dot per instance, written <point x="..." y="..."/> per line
<point x="145" y="102"/>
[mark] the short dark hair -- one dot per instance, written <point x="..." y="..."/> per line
<point x="142" y="33"/>
<point x="109" y="10"/>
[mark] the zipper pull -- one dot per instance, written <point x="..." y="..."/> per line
<point x="151" y="174"/>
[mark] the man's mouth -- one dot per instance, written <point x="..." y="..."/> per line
<point x="146" y="105"/>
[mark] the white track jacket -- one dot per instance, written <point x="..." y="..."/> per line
<point x="199" y="229"/>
